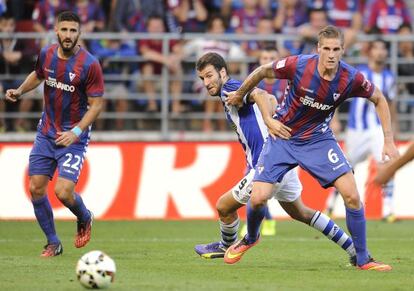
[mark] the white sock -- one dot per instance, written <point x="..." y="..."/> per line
<point x="229" y="232"/>
<point x="332" y="231"/>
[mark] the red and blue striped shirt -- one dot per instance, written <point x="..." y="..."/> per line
<point x="68" y="84"/>
<point x="310" y="100"/>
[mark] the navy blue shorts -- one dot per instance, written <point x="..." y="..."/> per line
<point x="323" y="159"/>
<point x="46" y="156"/>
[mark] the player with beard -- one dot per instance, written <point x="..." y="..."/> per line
<point x="73" y="90"/>
<point x="248" y="123"/>
<point x="317" y="85"/>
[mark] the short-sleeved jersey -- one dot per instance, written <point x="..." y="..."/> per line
<point x="241" y="20"/>
<point x="362" y="113"/>
<point x="89" y="12"/>
<point x="247" y="122"/>
<point x="340" y="12"/>
<point x="68" y="84"/>
<point x="277" y="89"/>
<point x="310" y="100"/>
<point x="45" y="13"/>
<point x="387" y="16"/>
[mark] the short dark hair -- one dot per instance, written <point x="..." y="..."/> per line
<point x="216" y="17"/>
<point x="7" y="15"/>
<point x="68" y="16"/>
<point x="270" y="47"/>
<point x="331" y="31"/>
<point x="213" y="59"/>
<point x="378" y="39"/>
<point x="405" y="25"/>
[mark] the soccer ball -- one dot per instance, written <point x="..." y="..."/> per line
<point x="95" y="270"/>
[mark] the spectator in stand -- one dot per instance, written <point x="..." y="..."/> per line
<point x="189" y="15"/>
<point x="15" y="58"/>
<point x="290" y="15"/>
<point x="151" y="51"/>
<point x="44" y="15"/>
<point x="118" y="13"/>
<point x="406" y="51"/>
<point x="318" y="19"/>
<point x="152" y="7"/>
<point x="228" y="50"/>
<point x="226" y="7"/>
<point x="386" y="16"/>
<point x="275" y="87"/>
<point x="115" y="91"/>
<point x="3" y="7"/>
<point x="246" y="19"/>
<point x="91" y="15"/>
<point x="264" y="27"/>
<point x="343" y="14"/>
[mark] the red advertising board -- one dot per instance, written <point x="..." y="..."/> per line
<point x="134" y="180"/>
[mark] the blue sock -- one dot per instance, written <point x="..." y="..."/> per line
<point x="254" y="219"/>
<point x="44" y="215"/>
<point x="267" y="216"/>
<point x="356" y="223"/>
<point x="79" y="209"/>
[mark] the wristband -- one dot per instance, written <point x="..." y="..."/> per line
<point x="77" y="131"/>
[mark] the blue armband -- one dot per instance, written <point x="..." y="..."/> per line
<point x="77" y="131"/>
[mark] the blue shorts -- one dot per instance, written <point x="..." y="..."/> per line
<point x="323" y="159"/>
<point x="46" y="156"/>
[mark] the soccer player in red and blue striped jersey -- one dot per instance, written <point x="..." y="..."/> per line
<point x="317" y="85"/>
<point x="73" y="90"/>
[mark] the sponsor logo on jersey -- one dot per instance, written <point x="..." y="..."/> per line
<point x="51" y="82"/>
<point x="366" y="85"/>
<point x="307" y="90"/>
<point x="71" y="76"/>
<point x="336" y="96"/>
<point x="280" y="64"/>
<point x="309" y="101"/>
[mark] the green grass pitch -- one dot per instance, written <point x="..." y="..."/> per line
<point x="159" y="255"/>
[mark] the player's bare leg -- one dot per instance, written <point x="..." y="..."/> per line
<point x="229" y="224"/>
<point x="44" y="214"/>
<point x="355" y="220"/>
<point x="64" y="190"/>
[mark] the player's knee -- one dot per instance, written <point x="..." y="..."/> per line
<point x="352" y="200"/>
<point x="225" y="209"/>
<point x="222" y="210"/>
<point x="64" y="194"/>
<point x="257" y="201"/>
<point x="37" y="191"/>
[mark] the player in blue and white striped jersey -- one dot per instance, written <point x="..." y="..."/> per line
<point x="364" y="136"/>
<point x="248" y="123"/>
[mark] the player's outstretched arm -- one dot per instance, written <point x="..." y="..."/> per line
<point x="264" y="71"/>
<point x="267" y="104"/>
<point x="388" y="170"/>
<point x="68" y="137"/>
<point x="31" y="82"/>
<point x="381" y="106"/>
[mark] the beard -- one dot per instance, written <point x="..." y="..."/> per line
<point x="64" y="45"/>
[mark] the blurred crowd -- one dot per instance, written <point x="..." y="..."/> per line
<point x="301" y="18"/>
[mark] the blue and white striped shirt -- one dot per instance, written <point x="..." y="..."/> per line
<point x="247" y="122"/>
<point x="362" y="114"/>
